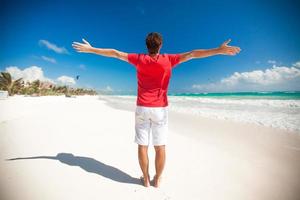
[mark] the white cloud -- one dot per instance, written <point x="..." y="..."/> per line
<point x="272" y="62"/>
<point x="36" y="73"/>
<point x="297" y="64"/>
<point x="275" y="78"/>
<point x="48" y="59"/>
<point x="28" y="74"/>
<point x="66" y="80"/>
<point x="53" y="47"/>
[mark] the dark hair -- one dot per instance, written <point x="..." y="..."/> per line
<point x="153" y="42"/>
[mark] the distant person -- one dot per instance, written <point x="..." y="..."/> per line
<point x="153" y="73"/>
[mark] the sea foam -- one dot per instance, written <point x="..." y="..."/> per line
<point x="283" y="114"/>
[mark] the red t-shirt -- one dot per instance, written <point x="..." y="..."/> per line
<point x="153" y="75"/>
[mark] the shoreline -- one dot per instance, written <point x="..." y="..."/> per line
<point x="230" y="123"/>
<point x="274" y="114"/>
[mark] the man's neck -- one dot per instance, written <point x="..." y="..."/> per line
<point x="153" y="55"/>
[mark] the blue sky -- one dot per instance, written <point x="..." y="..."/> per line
<point x="40" y="34"/>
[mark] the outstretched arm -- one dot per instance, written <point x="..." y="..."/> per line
<point x="87" y="48"/>
<point x="224" y="49"/>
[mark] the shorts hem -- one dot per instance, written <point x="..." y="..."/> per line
<point x="140" y="143"/>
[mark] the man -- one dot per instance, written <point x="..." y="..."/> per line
<point x="153" y="73"/>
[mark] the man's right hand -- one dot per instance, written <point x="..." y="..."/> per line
<point x="82" y="47"/>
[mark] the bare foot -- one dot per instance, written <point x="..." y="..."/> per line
<point x="156" y="181"/>
<point x="146" y="181"/>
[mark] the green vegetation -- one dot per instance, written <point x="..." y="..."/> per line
<point x="11" y="86"/>
<point x="38" y="88"/>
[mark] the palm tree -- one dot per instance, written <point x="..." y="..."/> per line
<point x="17" y="87"/>
<point x="11" y="86"/>
<point x="35" y="85"/>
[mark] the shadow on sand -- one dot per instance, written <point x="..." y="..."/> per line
<point x="90" y="165"/>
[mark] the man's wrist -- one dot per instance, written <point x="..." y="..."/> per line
<point x="218" y="50"/>
<point x="92" y="50"/>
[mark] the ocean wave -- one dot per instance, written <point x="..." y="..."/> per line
<point x="283" y="114"/>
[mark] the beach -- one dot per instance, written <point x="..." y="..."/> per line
<point x="53" y="147"/>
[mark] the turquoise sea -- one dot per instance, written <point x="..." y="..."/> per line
<point x="272" y="109"/>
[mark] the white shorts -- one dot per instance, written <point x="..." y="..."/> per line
<point x="151" y="125"/>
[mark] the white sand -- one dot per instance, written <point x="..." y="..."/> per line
<point x="80" y="148"/>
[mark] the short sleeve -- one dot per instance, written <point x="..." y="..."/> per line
<point x="133" y="58"/>
<point x="174" y="59"/>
